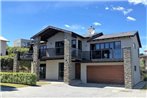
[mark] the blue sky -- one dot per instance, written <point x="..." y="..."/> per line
<point x="26" y="18"/>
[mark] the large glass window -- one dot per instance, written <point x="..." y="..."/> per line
<point x="106" y="50"/>
<point x="117" y="50"/>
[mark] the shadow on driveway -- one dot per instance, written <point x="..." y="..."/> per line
<point x="8" y="88"/>
<point x="96" y="85"/>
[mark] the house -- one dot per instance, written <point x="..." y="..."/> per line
<point x="21" y="43"/>
<point x="3" y="45"/>
<point x="96" y="58"/>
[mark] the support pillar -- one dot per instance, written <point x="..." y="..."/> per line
<point x="16" y="62"/>
<point x="36" y="60"/>
<point x="67" y="58"/>
<point x="128" y="68"/>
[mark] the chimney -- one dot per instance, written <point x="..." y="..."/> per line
<point x="91" y="31"/>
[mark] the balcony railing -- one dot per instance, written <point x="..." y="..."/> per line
<point x="96" y="55"/>
<point x="26" y="56"/>
<point x="102" y="55"/>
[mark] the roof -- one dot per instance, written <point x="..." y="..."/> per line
<point x="51" y="30"/>
<point x="119" y="35"/>
<point x="3" y="39"/>
<point x="116" y="35"/>
<point x="54" y="30"/>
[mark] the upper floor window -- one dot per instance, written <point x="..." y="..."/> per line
<point x="59" y="44"/>
<point x="79" y="45"/>
<point x="117" y="45"/>
<point x="74" y="43"/>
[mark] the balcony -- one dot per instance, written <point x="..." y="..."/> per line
<point x="102" y="55"/>
<point x="96" y="55"/>
<point x="51" y="53"/>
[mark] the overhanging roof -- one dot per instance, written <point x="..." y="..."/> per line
<point x="119" y="35"/>
<point x="50" y="31"/>
<point x="3" y="39"/>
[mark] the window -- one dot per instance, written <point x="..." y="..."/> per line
<point x="79" y="45"/>
<point x="117" y="45"/>
<point x="92" y="47"/>
<point x="117" y="50"/>
<point x="107" y="45"/>
<point x="43" y="50"/>
<point x="59" y="47"/>
<point x="59" y="44"/>
<point x="74" y="43"/>
<point x="102" y="46"/>
<point x="134" y="68"/>
<point x="107" y="50"/>
<point x="112" y="45"/>
<point x="97" y="46"/>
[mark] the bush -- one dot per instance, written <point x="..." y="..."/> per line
<point x="6" y="62"/>
<point x="145" y="76"/>
<point x="18" y="78"/>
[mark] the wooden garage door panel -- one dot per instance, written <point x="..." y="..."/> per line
<point x="105" y="74"/>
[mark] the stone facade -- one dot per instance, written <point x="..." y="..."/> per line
<point x="67" y="58"/>
<point x="36" y="60"/>
<point x="16" y="62"/>
<point x="128" y="68"/>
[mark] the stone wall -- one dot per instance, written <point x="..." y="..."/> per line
<point x="36" y="60"/>
<point x="16" y="62"/>
<point x="67" y="58"/>
<point x="128" y="67"/>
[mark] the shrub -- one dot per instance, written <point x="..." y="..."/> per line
<point x="18" y="78"/>
<point x="145" y="76"/>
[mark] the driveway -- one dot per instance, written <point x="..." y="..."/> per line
<point x="64" y="90"/>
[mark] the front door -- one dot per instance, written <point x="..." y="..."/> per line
<point x="78" y="71"/>
<point x="61" y="71"/>
<point x="42" y="70"/>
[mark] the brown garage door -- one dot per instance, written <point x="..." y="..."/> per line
<point x="105" y="74"/>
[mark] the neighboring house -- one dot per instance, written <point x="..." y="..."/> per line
<point x="3" y="45"/>
<point x="98" y="58"/>
<point x="22" y="43"/>
<point x="143" y="58"/>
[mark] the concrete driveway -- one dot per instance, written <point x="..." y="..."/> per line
<point x="63" y="90"/>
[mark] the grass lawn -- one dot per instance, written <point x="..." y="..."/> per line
<point x="39" y="83"/>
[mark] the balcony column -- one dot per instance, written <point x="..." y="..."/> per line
<point x="128" y="74"/>
<point x="67" y="58"/>
<point x="36" y="60"/>
<point x="16" y="62"/>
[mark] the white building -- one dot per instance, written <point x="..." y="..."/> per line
<point x="3" y="45"/>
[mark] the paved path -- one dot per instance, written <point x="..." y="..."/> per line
<point x="63" y="90"/>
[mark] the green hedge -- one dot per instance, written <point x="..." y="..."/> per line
<point x="18" y="78"/>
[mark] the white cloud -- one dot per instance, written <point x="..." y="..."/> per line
<point x="122" y="9"/>
<point x="119" y="8"/>
<point x="67" y="26"/>
<point x="106" y="8"/>
<point x="127" y="11"/>
<point x="138" y="1"/>
<point x="97" y="24"/>
<point x="131" y="18"/>
<point x="74" y="27"/>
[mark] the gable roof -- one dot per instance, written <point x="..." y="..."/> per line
<point x="51" y="30"/>
<point x="3" y="39"/>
